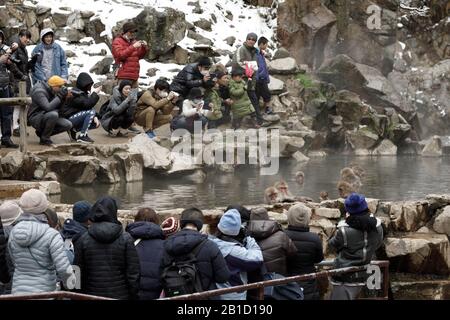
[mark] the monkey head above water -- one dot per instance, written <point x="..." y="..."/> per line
<point x="271" y="195"/>
<point x="344" y="189"/>
<point x="300" y="177"/>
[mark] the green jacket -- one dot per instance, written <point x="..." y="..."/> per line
<point x="245" y="53"/>
<point x="242" y="106"/>
<point x="213" y="97"/>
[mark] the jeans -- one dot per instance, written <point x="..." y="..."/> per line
<point x="6" y="115"/>
<point x="83" y="121"/>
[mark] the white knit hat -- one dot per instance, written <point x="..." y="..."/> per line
<point x="9" y="212"/>
<point x="33" y="201"/>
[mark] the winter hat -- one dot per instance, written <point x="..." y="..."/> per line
<point x="355" y="204"/>
<point x="33" y="201"/>
<point x="9" y="212"/>
<point x="56" y="81"/>
<point x="252" y="35"/>
<point x="46" y="31"/>
<point x="192" y="215"/>
<point x="81" y="211"/>
<point x="243" y="211"/>
<point x="170" y="226"/>
<point x="129" y="26"/>
<point x="237" y="72"/>
<point x="299" y="215"/>
<point x="195" y="93"/>
<point x="259" y="214"/>
<point x="230" y="223"/>
<point x="124" y="83"/>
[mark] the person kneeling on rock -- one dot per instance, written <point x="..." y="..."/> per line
<point x="193" y="111"/>
<point x="120" y="111"/>
<point x="155" y="106"/>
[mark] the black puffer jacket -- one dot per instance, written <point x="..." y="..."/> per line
<point x="150" y="250"/>
<point x="274" y="243"/>
<point x="210" y="262"/>
<point x="20" y="58"/>
<point x="7" y="67"/>
<point x="309" y="252"/>
<point x="107" y="256"/>
<point x="43" y="100"/>
<point x="187" y="79"/>
<point x="81" y="100"/>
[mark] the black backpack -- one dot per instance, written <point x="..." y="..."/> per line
<point x="181" y="276"/>
<point x="103" y="109"/>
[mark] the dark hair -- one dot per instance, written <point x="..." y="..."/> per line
<point x="237" y="72"/>
<point x="147" y="214"/>
<point x="192" y="215"/>
<point x="262" y="40"/>
<point x="204" y="62"/>
<point x="52" y="218"/>
<point x="25" y="32"/>
<point x="162" y="85"/>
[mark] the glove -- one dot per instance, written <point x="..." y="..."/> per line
<point x="62" y="94"/>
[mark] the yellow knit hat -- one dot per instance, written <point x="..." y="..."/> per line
<point x="56" y="81"/>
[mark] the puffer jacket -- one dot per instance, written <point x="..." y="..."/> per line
<point x="309" y="252"/>
<point x="242" y="106"/>
<point x="188" y="78"/>
<point x="4" y="271"/>
<point x="59" y="62"/>
<point x="213" y="96"/>
<point x="245" y="53"/>
<point x="21" y="58"/>
<point x="210" y="264"/>
<point x="118" y="104"/>
<point x="38" y="255"/>
<point x="106" y="255"/>
<point x="7" y="67"/>
<point x="43" y="100"/>
<point x="262" y="74"/>
<point x="150" y="249"/>
<point x="240" y="260"/>
<point x="150" y="99"/>
<point x="275" y="244"/>
<point x="81" y="100"/>
<point x="127" y="57"/>
<point x="355" y="247"/>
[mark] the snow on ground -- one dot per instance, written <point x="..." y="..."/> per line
<point x="245" y="19"/>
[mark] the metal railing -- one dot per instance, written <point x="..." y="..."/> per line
<point x="56" y="295"/>
<point x="384" y="265"/>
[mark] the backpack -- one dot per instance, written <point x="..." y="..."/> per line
<point x="103" y="109"/>
<point x="181" y="277"/>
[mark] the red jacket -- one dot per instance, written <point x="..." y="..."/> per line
<point x="128" y="57"/>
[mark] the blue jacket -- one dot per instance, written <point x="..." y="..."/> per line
<point x="59" y="67"/>
<point x="150" y="251"/>
<point x="263" y="73"/>
<point x="239" y="260"/>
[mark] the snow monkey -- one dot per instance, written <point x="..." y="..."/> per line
<point x="344" y="189"/>
<point x="324" y="196"/>
<point x="349" y="176"/>
<point x="271" y="195"/>
<point x="300" y="177"/>
<point x="283" y="191"/>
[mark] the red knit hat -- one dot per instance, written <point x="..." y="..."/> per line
<point x="170" y="226"/>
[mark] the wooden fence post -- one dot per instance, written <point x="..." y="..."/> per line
<point x="23" y="117"/>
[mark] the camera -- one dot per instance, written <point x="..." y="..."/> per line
<point x="4" y="49"/>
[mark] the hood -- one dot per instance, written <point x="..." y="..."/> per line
<point x="105" y="210"/>
<point x="28" y="229"/>
<point x="45" y="31"/>
<point x="83" y="81"/>
<point x="262" y="229"/>
<point x="145" y="230"/>
<point x="72" y="228"/>
<point x="105" y="232"/>
<point x="225" y="247"/>
<point x="183" y="242"/>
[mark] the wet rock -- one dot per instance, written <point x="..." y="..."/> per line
<point x="433" y="148"/>
<point x="363" y="138"/>
<point x="103" y="66"/>
<point x="11" y="163"/>
<point x="131" y="165"/>
<point x="155" y="156"/>
<point x="283" y="66"/>
<point x="418" y="253"/>
<point x="386" y="148"/>
<point x="76" y="170"/>
<point x="442" y="222"/>
<point x="109" y="172"/>
<point x="182" y="163"/>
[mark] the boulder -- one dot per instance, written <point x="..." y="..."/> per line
<point x="419" y="253"/>
<point x="69" y="34"/>
<point x="182" y="163"/>
<point x="162" y="29"/>
<point x="363" y="138"/>
<point x="408" y="216"/>
<point x="349" y="106"/>
<point x="181" y="55"/>
<point x="276" y="86"/>
<point x="442" y="222"/>
<point x="131" y="165"/>
<point x="95" y="28"/>
<point x="103" y="66"/>
<point x="327" y="213"/>
<point x="230" y="40"/>
<point x="75" y="21"/>
<point x="385" y="148"/>
<point x="11" y="163"/>
<point x="76" y="170"/>
<point x="283" y="66"/>
<point x="438" y="201"/>
<point x="433" y="148"/>
<point x="324" y="224"/>
<point x="50" y="187"/>
<point x="60" y="18"/>
<point x="281" y="53"/>
<point x="203" y="24"/>
<point x="155" y="156"/>
<point x="109" y="172"/>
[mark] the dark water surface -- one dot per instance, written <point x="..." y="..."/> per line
<point x="387" y="178"/>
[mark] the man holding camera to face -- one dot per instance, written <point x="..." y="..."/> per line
<point x="6" y="67"/>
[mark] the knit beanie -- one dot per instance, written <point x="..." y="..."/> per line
<point x="33" y="201"/>
<point x="56" y="81"/>
<point x="81" y="211"/>
<point x="170" y="226"/>
<point x="355" y="204"/>
<point x="252" y="35"/>
<point x="9" y="212"/>
<point x="230" y="223"/>
<point x="299" y="215"/>
<point x="259" y="214"/>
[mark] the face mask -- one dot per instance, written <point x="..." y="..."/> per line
<point x="163" y="94"/>
<point x="205" y="72"/>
